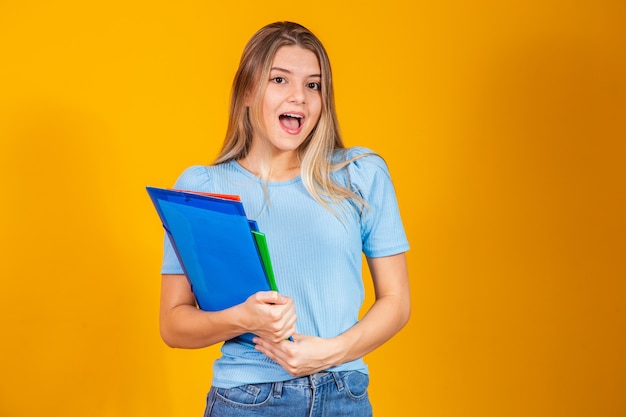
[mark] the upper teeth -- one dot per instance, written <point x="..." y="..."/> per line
<point x="297" y="116"/>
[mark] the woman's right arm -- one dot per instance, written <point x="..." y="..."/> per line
<point x="266" y="314"/>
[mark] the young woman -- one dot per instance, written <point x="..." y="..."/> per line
<point x="321" y="206"/>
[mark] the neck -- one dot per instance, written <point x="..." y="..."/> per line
<point x="281" y="167"/>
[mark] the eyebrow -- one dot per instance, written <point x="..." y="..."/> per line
<point x="289" y="72"/>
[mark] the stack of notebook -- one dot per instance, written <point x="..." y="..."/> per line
<point x="223" y="254"/>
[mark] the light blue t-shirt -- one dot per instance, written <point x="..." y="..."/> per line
<point x="317" y="257"/>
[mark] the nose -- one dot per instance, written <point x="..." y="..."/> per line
<point x="296" y="94"/>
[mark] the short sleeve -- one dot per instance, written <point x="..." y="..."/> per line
<point x="382" y="231"/>
<point x="195" y="178"/>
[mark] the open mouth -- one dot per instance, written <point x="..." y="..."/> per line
<point x="291" y="121"/>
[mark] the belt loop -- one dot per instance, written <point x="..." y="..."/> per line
<point x="277" y="389"/>
<point x="338" y="380"/>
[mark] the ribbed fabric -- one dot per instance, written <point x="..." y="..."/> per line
<point x="316" y="257"/>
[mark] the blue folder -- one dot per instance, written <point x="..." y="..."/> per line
<point x="213" y="240"/>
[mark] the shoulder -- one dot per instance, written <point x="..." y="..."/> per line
<point x="363" y="171"/>
<point x="195" y="178"/>
<point x="208" y="177"/>
<point x="362" y="160"/>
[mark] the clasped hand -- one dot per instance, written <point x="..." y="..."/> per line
<point x="305" y="355"/>
<point x="273" y="321"/>
<point x="271" y="315"/>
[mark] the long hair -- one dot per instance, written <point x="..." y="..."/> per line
<point x="317" y="150"/>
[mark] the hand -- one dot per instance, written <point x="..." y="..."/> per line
<point x="306" y="355"/>
<point x="270" y="315"/>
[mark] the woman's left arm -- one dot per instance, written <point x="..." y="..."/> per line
<point x="389" y="313"/>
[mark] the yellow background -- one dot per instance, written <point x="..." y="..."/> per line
<point x="504" y="126"/>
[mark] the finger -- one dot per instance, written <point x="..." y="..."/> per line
<point x="268" y="297"/>
<point x="282" y="299"/>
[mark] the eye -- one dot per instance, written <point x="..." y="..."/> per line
<point x="314" y="86"/>
<point x="278" y="80"/>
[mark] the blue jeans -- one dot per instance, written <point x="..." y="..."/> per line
<point x="324" y="394"/>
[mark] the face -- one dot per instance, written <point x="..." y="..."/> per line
<point x="292" y="102"/>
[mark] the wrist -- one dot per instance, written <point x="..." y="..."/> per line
<point x="339" y="350"/>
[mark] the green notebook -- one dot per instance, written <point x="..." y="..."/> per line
<point x="261" y="244"/>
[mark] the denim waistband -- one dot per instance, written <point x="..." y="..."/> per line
<point x="317" y="379"/>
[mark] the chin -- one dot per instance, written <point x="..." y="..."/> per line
<point x="287" y="144"/>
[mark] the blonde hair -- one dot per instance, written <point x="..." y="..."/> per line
<point x="316" y="152"/>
